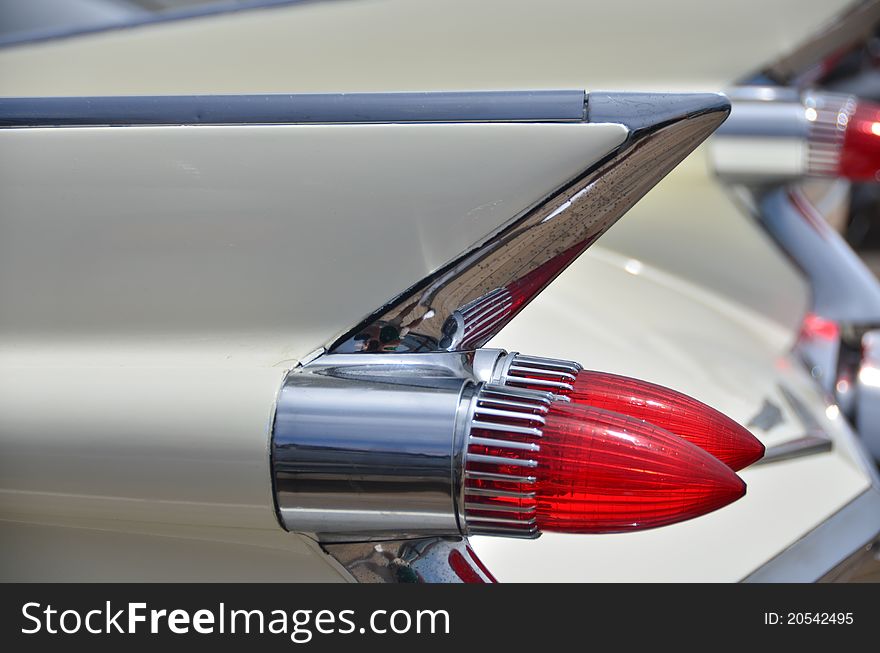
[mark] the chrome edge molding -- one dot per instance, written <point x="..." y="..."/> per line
<point x="825" y="547"/>
<point x="464" y="304"/>
<point x="814" y="441"/>
<point x="304" y="108"/>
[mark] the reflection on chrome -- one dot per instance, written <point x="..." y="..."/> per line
<point x="527" y="254"/>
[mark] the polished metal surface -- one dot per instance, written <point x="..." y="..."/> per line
<point x="365" y="451"/>
<point x="867" y="399"/>
<point x="828" y="115"/>
<point x="294" y="108"/>
<point x="550" y="374"/>
<point x="428" y="560"/>
<point x="807" y="445"/>
<point x="827" y="546"/>
<point x="525" y="255"/>
<point x="814" y="441"/>
<point x="509" y="422"/>
<point x="844" y="289"/>
<point x="470" y="324"/>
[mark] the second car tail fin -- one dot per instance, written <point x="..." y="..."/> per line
<point x="465" y="303"/>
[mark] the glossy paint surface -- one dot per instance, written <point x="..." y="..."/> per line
<point x="719" y="353"/>
<point x="382" y="45"/>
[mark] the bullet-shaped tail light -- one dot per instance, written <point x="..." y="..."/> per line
<point x="537" y="464"/>
<point x="778" y="133"/>
<point x="673" y="411"/>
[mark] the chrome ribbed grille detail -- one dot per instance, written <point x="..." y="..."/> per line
<point x="475" y="322"/>
<point x="550" y="374"/>
<point x="828" y="118"/>
<point x="500" y="461"/>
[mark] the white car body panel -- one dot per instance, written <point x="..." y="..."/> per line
<point x="173" y="234"/>
<point x="130" y="325"/>
<point x="399" y="45"/>
<point x="664" y="331"/>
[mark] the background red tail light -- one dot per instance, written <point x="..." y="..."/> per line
<point x="565" y="467"/>
<point x="684" y="416"/>
<point x="860" y="156"/>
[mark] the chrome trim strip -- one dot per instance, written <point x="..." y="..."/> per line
<point x="498" y="460"/>
<point x="494" y="507"/>
<point x="526" y="254"/>
<point x="504" y="444"/>
<point x="815" y="440"/>
<point x="493" y="476"/>
<point x="482" y="499"/>
<point x="807" y="445"/>
<point x="497" y="493"/>
<point x="501" y="520"/>
<point x="510" y="414"/>
<point x="306" y="108"/>
<point x="826" y="546"/>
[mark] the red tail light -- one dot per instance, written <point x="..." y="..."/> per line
<point x="684" y="416"/>
<point x="816" y="327"/>
<point x="860" y="156"/>
<point x="534" y="465"/>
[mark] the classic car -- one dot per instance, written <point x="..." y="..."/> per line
<point x="277" y="301"/>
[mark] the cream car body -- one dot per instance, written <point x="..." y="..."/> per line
<point x="128" y="353"/>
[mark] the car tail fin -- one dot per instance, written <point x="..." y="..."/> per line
<point x="465" y="303"/>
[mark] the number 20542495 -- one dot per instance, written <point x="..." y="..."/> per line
<point x="808" y="618"/>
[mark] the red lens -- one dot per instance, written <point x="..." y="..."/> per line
<point x="816" y="327"/>
<point x="860" y="158"/>
<point x="688" y="418"/>
<point x="593" y="471"/>
<point x="604" y="472"/>
<point x="684" y="416"/>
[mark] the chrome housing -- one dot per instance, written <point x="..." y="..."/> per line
<point x="368" y="450"/>
<point x="369" y="447"/>
<point x="778" y="134"/>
